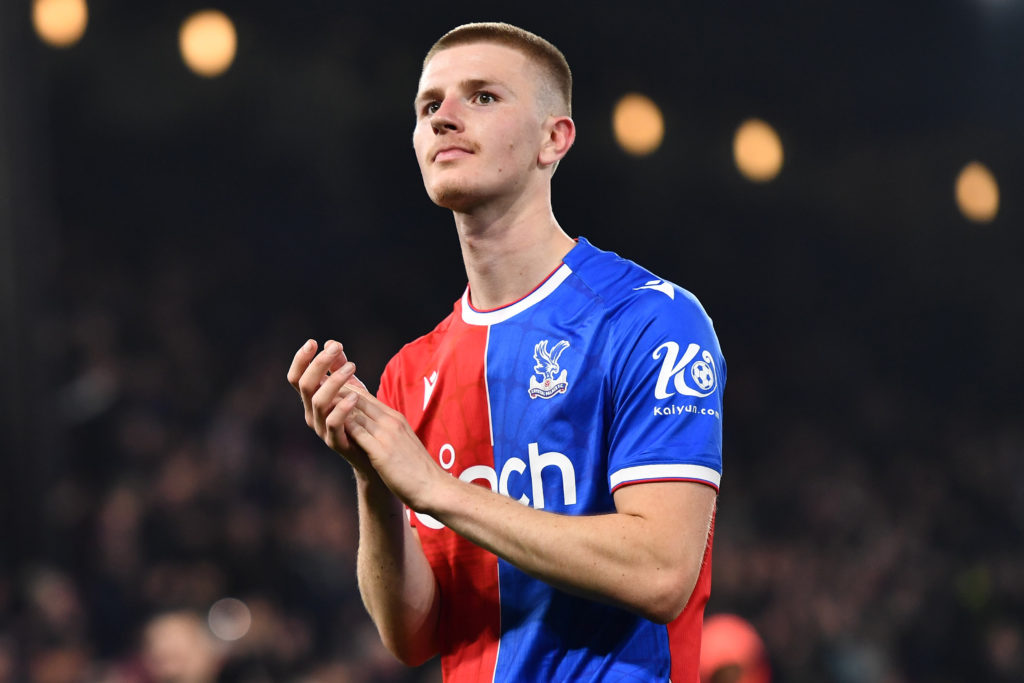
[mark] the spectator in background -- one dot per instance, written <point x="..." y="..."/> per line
<point x="178" y="648"/>
<point x="732" y="652"/>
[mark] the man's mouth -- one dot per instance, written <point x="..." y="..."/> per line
<point x="451" y="153"/>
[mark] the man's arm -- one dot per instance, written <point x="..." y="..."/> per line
<point x="645" y="557"/>
<point x="395" y="580"/>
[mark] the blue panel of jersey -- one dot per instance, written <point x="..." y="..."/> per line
<point x="613" y="371"/>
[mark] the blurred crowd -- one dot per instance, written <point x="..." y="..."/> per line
<point x="184" y="475"/>
<point x="872" y="546"/>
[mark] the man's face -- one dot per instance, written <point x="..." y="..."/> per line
<point x="479" y="126"/>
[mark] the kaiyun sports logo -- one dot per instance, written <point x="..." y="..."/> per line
<point x="692" y="374"/>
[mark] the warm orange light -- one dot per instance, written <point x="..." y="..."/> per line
<point x="977" y="193"/>
<point x="757" y="151"/>
<point x="208" y="42"/>
<point x="638" y="124"/>
<point x="60" y="23"/>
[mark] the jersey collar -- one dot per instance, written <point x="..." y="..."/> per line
<point x="494" y="316"/>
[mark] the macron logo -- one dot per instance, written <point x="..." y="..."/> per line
<point x="659" y="286"/>
<point x="428" y="388"/>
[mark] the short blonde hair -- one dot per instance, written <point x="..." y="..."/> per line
<point x="548" y="57"/>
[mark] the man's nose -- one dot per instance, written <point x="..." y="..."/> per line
<point x="448" y="117"/>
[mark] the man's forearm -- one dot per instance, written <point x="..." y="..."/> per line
<point x="645" y="557"/>
<point x="395" y="580"/>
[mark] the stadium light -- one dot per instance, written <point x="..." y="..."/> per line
<point x="208" y="42"/>
<point x="977" y="193"/>
<point x="757" y="151"/>
<point x="638" y="124"/>
<point x="60" y="23"/>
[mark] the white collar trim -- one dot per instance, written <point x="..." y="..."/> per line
<point x="475" y="317"/>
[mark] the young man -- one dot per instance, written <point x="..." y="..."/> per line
<point x="556" y="439"/>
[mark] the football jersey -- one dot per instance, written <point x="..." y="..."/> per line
<point x="603" y="376"/>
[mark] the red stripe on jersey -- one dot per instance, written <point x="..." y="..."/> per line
<point x="454" y="426"/>
<point x="684" y="633"/>
<point x="648" y="481"/>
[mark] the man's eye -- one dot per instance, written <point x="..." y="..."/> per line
<point x="433" y="107"/>
<point x="485" y="98"/>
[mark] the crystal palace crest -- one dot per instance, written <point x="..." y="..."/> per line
<point x="551" y="383"/>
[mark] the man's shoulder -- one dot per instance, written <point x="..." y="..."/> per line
<point x="422" y="347"/>
<point x="425" y="344"/>
<point x="627" y="289"/>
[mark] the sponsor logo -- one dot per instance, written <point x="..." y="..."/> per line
<point x="513" y="469"/>
<point x="686" y="410"/>
<point x="547" y="367"/>
<point x="665" y="288"/>
<point x="428" y="388"/>
<point x="693" y="374"/>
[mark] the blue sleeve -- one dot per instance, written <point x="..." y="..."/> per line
<point x="668" y="380"/>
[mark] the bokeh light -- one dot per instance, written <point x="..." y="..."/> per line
<point x="638" y="124"/>
<point x="208" y="42"/>
<point x="757" y="151"/>
<point x="229" y="619"/>
<point x="977" y="193"/>
<point x="60" y="23"/>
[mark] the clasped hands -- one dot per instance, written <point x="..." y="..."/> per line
<point x="371" y="436"/>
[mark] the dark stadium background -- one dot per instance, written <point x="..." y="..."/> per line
<point x="168" y="241"/>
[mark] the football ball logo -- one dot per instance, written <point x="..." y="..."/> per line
<point x="701" y="371"/>
<point x="702" y="375"/>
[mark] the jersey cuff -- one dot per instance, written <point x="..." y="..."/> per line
<point x="677" y="472"/>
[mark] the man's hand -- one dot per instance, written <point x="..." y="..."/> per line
<point x="319" y="379"/>
<point x="395" y="580"/>
<point x="393" y="448"/>
<point x="374" y="438"/>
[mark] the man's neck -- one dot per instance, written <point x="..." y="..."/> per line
<point x="509" y="252"/>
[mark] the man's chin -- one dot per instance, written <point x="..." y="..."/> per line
<point x="454" y="198"/>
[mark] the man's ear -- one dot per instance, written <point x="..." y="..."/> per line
<point x="559" y="134"/>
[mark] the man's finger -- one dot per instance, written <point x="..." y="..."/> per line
<point x="374" y="417"/>
<point x="327" y="396"/>
<point x="334" y="424"/>
<point x="300" y="362"/>
<point x="317" y="370"/>
<point x="356" y="424"/>
<point x="339" y="359"/>
<point x="358" y="383"/>
<point x="367" y="402"/>
<point x="355" y="386"/>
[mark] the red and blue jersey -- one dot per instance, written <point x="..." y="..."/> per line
<point x="604" y="376"/>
